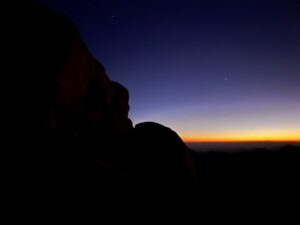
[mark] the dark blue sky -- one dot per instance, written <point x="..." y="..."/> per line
<point x="211" y="70"/>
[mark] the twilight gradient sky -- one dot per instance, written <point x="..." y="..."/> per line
<point x="211" y="70"/>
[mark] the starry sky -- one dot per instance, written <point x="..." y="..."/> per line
<point x="210" y="70"/>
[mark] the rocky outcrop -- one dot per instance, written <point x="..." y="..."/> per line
<point x="74" y="118"/>
<point x="52" y="70"/>
<point x="162" y="154"/>
<point x="120" y="107"/>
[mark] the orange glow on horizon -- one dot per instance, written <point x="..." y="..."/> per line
<point x="244" y="137"/>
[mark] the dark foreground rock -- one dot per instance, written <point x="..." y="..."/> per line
<point x="69" y="117"/>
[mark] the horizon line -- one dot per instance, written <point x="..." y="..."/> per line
<point x="241" y="141"/>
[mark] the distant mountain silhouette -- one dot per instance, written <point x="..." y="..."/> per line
<point x="256" y="187"/>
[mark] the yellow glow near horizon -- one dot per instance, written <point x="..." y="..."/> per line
<point x="253" y="136"/>
<point x="236" y="122"/>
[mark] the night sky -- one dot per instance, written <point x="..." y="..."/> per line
<point x="211" y="70"/>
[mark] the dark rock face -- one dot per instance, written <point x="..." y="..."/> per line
<point x="162" y="154"/>
<point x="51" y="71"/>
<point x="72" y="118"/>
<point x="120" y="107"/>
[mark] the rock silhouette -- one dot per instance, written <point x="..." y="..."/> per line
<point x="73" y="118"/>
<point x="120" y="107"/>
<point x="167" y="156"/>
<point x="66" y="126"/>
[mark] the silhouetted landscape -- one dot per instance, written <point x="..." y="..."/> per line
<point x="258" y="186"/>
<point x="68" y="130"/>
<point x="237" y="146"/>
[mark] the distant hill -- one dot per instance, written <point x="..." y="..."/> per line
<point x="253" y="184"/>
<point x="237" y="146"/>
